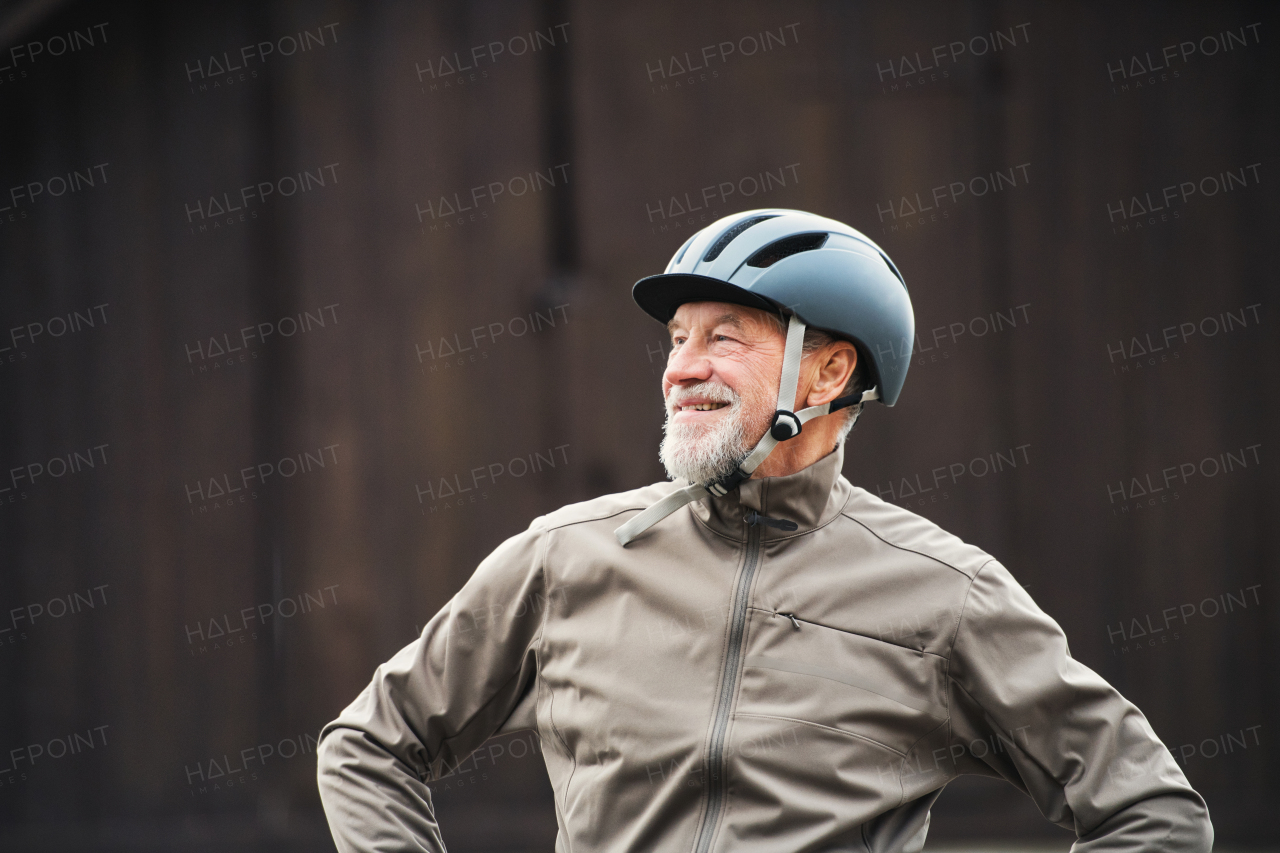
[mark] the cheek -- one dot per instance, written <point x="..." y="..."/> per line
<point x="757" y="396"/>
<point x="758" y="380"/>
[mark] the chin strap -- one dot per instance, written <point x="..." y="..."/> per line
<point x="786" y="425"/>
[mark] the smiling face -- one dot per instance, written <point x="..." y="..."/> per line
<point x="720" y="387"/>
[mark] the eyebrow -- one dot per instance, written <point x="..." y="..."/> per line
<point x="730" y="318"/>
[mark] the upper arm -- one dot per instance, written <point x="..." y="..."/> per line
<point x="444" y="694"/>
<point x="1061" y="732"/>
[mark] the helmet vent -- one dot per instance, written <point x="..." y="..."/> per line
<point x="683" y="249"/>
<point x="727" y="237"/>
<point x="787" y="246"/>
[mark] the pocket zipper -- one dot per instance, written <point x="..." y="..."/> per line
<point x="791" y="616"/>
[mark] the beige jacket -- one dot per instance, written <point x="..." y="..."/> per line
<point x="720" y="685"/>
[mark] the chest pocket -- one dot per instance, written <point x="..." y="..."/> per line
<point x="866" y="688"/>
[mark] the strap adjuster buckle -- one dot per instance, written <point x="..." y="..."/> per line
<point x="785" y="425"/>
<point x="725" y="485"/>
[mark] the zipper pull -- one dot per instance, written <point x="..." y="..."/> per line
<point x="790" y="616"/>
<point x="754" y="517"/>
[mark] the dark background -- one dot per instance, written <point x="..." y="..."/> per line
<point x="1081" y="135"/>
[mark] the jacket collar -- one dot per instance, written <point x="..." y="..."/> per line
<point x="810" y="497"/>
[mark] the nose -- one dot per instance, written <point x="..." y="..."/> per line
<point x="688" y="364"/>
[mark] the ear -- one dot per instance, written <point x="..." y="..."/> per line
<point x="834" y="364"/>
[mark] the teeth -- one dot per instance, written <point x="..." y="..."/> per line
<point x="703" y="407"/>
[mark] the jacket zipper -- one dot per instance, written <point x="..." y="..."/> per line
<point x="729" y="683"/>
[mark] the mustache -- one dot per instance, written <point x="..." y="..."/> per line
<point x="712" y="391"/>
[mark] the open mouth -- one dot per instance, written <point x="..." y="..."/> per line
<point x="701" y="407"/>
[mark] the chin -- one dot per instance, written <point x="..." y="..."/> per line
<point x="700" y="454"/>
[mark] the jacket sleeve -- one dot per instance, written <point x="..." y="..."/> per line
<point x="1023" y="707"/>
<point x="433" y="703"/>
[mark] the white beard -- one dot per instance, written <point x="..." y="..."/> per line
<point x="703" y="454"/>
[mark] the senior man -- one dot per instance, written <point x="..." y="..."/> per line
<point x="758" y="656"/>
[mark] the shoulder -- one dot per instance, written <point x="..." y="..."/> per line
<point x="904" y="530"/>
<point x="604" y="507"/>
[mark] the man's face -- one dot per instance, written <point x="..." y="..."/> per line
<point x="720" y="387"/>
